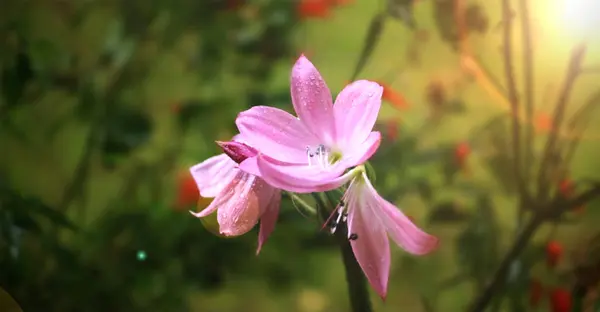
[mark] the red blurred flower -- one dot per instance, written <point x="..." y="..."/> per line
<point x="542" y="123"/>
<point x="560" y="300"/>
<point x="391" y="129"/>
<point x="566" y="188"/>
<point x="461" y="154"/>
<point x="554" y="252"/>
<point x="188" y="194"/>
<point x="313" y="9"/>
<point x="535" y="293"/>
<point x="395" y="98"/>
<point x="340" y="2"/>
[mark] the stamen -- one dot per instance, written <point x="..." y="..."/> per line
<point x="337" y="221"/>
<point x="309" y="155"/>
<point x="353" y="236"/>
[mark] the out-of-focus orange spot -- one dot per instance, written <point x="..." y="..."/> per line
<point x="560" y="300"/>
<point x="395" y="98"/>
<point x="313" y="9"/>
<point x="566" y="188"/>
<point x="461" y="154"/>
<point x="542" y="123"/>
<point x="554" y="253"/>
<point x="188" y="193"/>
<point x="392" y="130"/>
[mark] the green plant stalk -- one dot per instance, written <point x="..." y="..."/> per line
<point x="357" y="284"/>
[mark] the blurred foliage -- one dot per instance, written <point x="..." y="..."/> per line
<point x="102" y="102"/>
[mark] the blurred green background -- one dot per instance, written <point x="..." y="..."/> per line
<point x="106" y="104"/>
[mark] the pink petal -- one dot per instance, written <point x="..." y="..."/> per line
<point x="356" y="109"/>
<point x="403" y="231"/>
<point x="371" y="248"/>
<point x="298" y="178"/>
<point x="312" y="100"/>
<point x="268" y="220"/>
<point x="213" y="174"/>
<point x="276" y="133"/>
<point x="360" y="153"/>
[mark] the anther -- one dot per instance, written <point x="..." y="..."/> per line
<point x="337" y="221"/>
<point x="353" y="236"/>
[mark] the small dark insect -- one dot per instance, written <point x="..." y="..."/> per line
<point x="353" y="236"/>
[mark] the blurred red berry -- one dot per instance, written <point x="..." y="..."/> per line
<point x="535" y="293"/>
<point x="566" y="189"/>
<point x="187" y="191"/>
<point x="391" y="129"/>
<point x="560" y="300"/>
<point x="461" y="154"/>
<point x="542" y="123"/>
<point x="395" y="98"/>
<point x="313" y="9"/>
<point x="554" y="252"/>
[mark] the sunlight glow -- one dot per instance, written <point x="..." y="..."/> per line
<point x="579" y="17"/>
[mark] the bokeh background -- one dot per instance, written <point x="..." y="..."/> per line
<point x="106" y="104"/>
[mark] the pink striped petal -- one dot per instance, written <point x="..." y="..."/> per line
<point x="295" y="177"/>
<point x="275" y="133"/>
<point x="312" y="100"/>
<point x="356" y="109"/>
<point x="400" y="228"/>
<point x="268" y="220"/>
<point x="371" y="248"/>
<point x="213" y="174"/>
<point x="359" y="153"/>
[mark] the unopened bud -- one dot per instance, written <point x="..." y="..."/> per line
<point x="237" y="151"/>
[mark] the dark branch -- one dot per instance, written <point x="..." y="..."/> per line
<point x="512" y="96"/>
<point x="550" y="147"/>
<point x="529" y="88"/>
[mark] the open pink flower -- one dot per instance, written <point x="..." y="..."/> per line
<point x="310" y="152"/>
<point x="370" y="219"/>
<point x="240" y="199"/>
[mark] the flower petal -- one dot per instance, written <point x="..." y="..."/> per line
<point x="295" y="177"/>
<point x="240" y="208"/>
<point x="275" y="133"/>
<point x="268" y="219"/>
<point x="356" y="109"/>
<point x="371" y="247"/>
<point x="360" y="153"/>
<point x="213" y="174"/>
<point x="403" y="231"/>
<point x="312" y="100"/>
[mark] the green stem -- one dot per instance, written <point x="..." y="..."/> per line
<point x="358" y="291"/>
<point x="357" y="283"/>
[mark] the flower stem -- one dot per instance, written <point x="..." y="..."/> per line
<point x="357" y="284"/>
<point x="486" y="295"/>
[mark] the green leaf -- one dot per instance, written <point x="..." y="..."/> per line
<point x="125" y="131"/>
<point x="371" y="175"/>
<point x="447" y="212"/>
<point x="370" y="42"/>
<point x="15" y="79"/>
<point x="402" y="10"/>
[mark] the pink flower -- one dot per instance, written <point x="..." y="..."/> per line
<point x="370" y="219"/>
<point x="310" y="152"/>
<point x="240" y="199"/>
